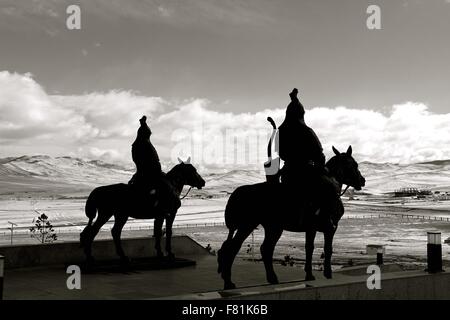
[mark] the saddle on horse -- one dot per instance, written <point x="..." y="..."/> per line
<point x="305" y="206"/>
<point x="157" y="195"/>
<point x="304" y="180"/>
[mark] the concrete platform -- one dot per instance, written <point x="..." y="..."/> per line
<point x="24" y="256"/>
<point x="395" y="285"/>
<point x="133" y="265"/>
<point x="50" y="282"/>
<point x="39" y="272"/>
<point x="201" y="281"/>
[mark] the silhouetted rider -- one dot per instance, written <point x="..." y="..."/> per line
<point x="149" y="179"/>
<point x="148" y="166"/>
<point x="304" y="161"/>
<point x="299" y="146"/>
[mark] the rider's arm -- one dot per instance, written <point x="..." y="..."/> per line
<point x="317" y="150"/>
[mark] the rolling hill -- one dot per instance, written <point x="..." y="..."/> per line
<point x="66" y="175"/>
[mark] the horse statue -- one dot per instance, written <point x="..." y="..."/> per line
<point x="122" y="201"/>
<point x="262" y="203"/>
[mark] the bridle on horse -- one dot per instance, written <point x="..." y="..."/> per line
<point x="345" y="190"/>
<point x="186" y="194"/>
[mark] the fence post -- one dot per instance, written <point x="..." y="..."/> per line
<point x="2" y="267"/>
<point x="380" y="256"/>
<point x="434" y="252"/>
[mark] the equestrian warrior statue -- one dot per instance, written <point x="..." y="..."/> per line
<point x="145" y="157"/>
<point x="150" y="194"/>
<point x="304" y="162"/>
<point x="149" y="178"/>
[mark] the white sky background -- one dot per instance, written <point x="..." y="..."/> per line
<point x="210" y="67"/>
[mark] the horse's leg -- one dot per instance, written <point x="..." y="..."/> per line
<point x="223" y="250"/>
<point x="116" y="231"/>
<point x="328" y="250"/>
<point x="157" y="227"/>
<point x="102" y="218"/>
<point x="169" y="223"/>
<point x="309" y="248"/>
<point x="271" y="237"/>
<point x="229" y="255"/>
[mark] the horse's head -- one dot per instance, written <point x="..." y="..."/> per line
<point x="190" y="174"/>
<point x="345" y="169"/>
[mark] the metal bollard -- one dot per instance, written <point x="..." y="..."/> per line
<point x="2" y="267"/>
<point x="380" y="256"/>
<point x="378" y="250"/>
<point x="434" y="252"/>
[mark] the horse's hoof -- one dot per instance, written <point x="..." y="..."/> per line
<point x="219" y="261"/>
<point x="171" y="256"/>
<point x="229" y="286"/>
<point x="219" y="265"/>
<point x="310" y="277"/>
<point x="273" y="280"/>
<point x="124" y="260"/>
<point x="159" y="255"/>
<point x="328" y="274"/>
<point x="89" y="262"/>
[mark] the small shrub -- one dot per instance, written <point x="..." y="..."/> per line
<point x="43" y="230"/>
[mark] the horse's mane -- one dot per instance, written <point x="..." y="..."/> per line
<point x="331" y="164"/>
<point x="172" y="173"/>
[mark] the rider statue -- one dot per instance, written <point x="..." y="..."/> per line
<point x="149" y="179"/>
<point x="148" y="167"/>
<point x="304" y="170"/>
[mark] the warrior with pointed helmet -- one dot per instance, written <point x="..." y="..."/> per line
<point x="304" y="169"/>
<point x="149" y="179"/>
<point x="148" y="166"/>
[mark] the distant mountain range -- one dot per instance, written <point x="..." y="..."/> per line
<point x="56" y="176"/>
<point x="65" y="174"/>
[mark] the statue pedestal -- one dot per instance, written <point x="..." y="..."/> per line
<point x="135" y="264"/>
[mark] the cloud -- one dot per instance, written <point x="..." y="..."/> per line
<point x="164" y="12"/>
<point x="46" y="14"/>
<point x="237" y="12"/>
<point x="33" y="121"/>
<point x="26" y="107"/>
<point x="107" y="155"/>
<point x="46" y="8"/>
<point x="408" y="133"/>
<point x="103" y="125"/>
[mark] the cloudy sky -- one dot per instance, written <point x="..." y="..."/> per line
<point x="207" y="73"/>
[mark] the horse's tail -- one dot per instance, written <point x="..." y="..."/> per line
<point x="91" y="211"/>
<point x="221" y="253"/>
<point x="91" y="206"/>
<point x="248" y="206"/>
<point x="235" y="209"/>
<point x="232" y="223"/>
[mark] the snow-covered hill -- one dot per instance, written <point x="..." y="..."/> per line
<point x="382" y="178"/>
<point x="40" y="172"/>
<point x="63" y="169"/>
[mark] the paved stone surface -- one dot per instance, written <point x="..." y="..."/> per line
<point x="50" y="282"/>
